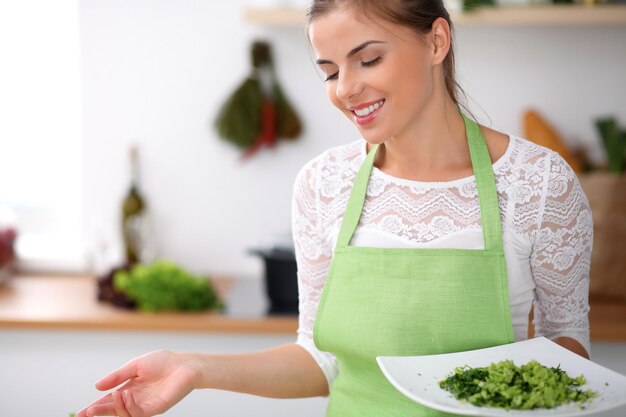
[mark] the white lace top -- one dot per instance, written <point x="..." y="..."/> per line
<point x="547" y="232"/>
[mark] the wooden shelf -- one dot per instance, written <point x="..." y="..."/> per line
<point x="540" y="15"/>
<point x="274" y="16"/>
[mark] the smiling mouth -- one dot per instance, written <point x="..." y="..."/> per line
<point x="366" y="115"/>
<point x="366" y="111"/>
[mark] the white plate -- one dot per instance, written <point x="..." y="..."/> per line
<point x="418" y="377"/>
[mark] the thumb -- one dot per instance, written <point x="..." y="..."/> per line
<point x="118" y="376"/>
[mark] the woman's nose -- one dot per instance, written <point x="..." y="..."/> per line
<point x="348" y="87"/>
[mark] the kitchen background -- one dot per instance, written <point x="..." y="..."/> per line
<point x="154" y="74"/>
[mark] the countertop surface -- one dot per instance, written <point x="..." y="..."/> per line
<point x="68" y="302"/>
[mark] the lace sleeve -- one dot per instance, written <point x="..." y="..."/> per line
<point x="313" y="258"/>
<point x="561" y="257"/>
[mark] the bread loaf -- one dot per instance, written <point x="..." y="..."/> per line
<point x="537" y="129"/>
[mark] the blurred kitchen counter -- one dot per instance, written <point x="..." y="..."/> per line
<point x="70" y="302"/>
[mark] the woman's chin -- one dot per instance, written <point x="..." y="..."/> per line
<point x="373" y="139"/>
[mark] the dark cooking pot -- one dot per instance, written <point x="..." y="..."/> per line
<point x="281" y="279"/>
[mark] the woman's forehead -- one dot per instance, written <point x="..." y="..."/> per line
<point x="340" y="30"/>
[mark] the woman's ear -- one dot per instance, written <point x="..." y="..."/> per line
<point x="440" y="40"/>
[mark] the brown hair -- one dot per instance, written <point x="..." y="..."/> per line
<point x="418" y="15"/>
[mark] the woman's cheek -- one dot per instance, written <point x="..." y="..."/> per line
<point x="332" y="95"/>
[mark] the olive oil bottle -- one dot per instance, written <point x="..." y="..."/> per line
<point x="133" y="214"/>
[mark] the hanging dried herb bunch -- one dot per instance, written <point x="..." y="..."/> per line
<point x="258" y="112"/>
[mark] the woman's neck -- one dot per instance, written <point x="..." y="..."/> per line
<point x="434" y="149"/>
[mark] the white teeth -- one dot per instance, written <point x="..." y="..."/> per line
<point x="367" y="110"/>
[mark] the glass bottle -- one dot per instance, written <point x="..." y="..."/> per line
<point x="133" y="214"/>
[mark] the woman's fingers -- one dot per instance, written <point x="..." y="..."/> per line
<point x="118" y="376"/>
<point x="118" y="403"/>
<point x="101" y="410"/>
<point x="131" y="406"/>
<point x="98" y="408"/>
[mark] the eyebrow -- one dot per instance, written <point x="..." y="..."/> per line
<point x="351" y="53"/>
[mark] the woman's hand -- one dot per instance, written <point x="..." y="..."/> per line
<point x="152" y="384"/>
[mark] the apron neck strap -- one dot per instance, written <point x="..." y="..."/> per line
<point x="485" y="183"/>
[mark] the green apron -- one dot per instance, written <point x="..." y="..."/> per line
<point x="406" y="301"/>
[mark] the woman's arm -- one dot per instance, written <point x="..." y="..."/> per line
<point x="153" y="383"/>
<point x="286" y="371"/>
<point x="573" y="345"/>
<point x="313" y="256"/>
<point x="561" y="258"/>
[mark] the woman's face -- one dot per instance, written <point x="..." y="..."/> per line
<point x="379" y="74"/>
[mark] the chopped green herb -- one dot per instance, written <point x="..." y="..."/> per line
<point x="505" y="385"/>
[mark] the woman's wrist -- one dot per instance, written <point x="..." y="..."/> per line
<point x="203" y="368"/>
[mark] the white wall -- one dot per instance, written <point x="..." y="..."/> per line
<point x="156" y="72"/>
<point x="571" y="75"/>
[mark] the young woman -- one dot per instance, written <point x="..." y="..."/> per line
<point x="430" y="234"/>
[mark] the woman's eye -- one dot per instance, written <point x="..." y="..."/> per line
<point x="331" y="76"/>
<point x="372" y="62"/>
<point x="363" y="64"/>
